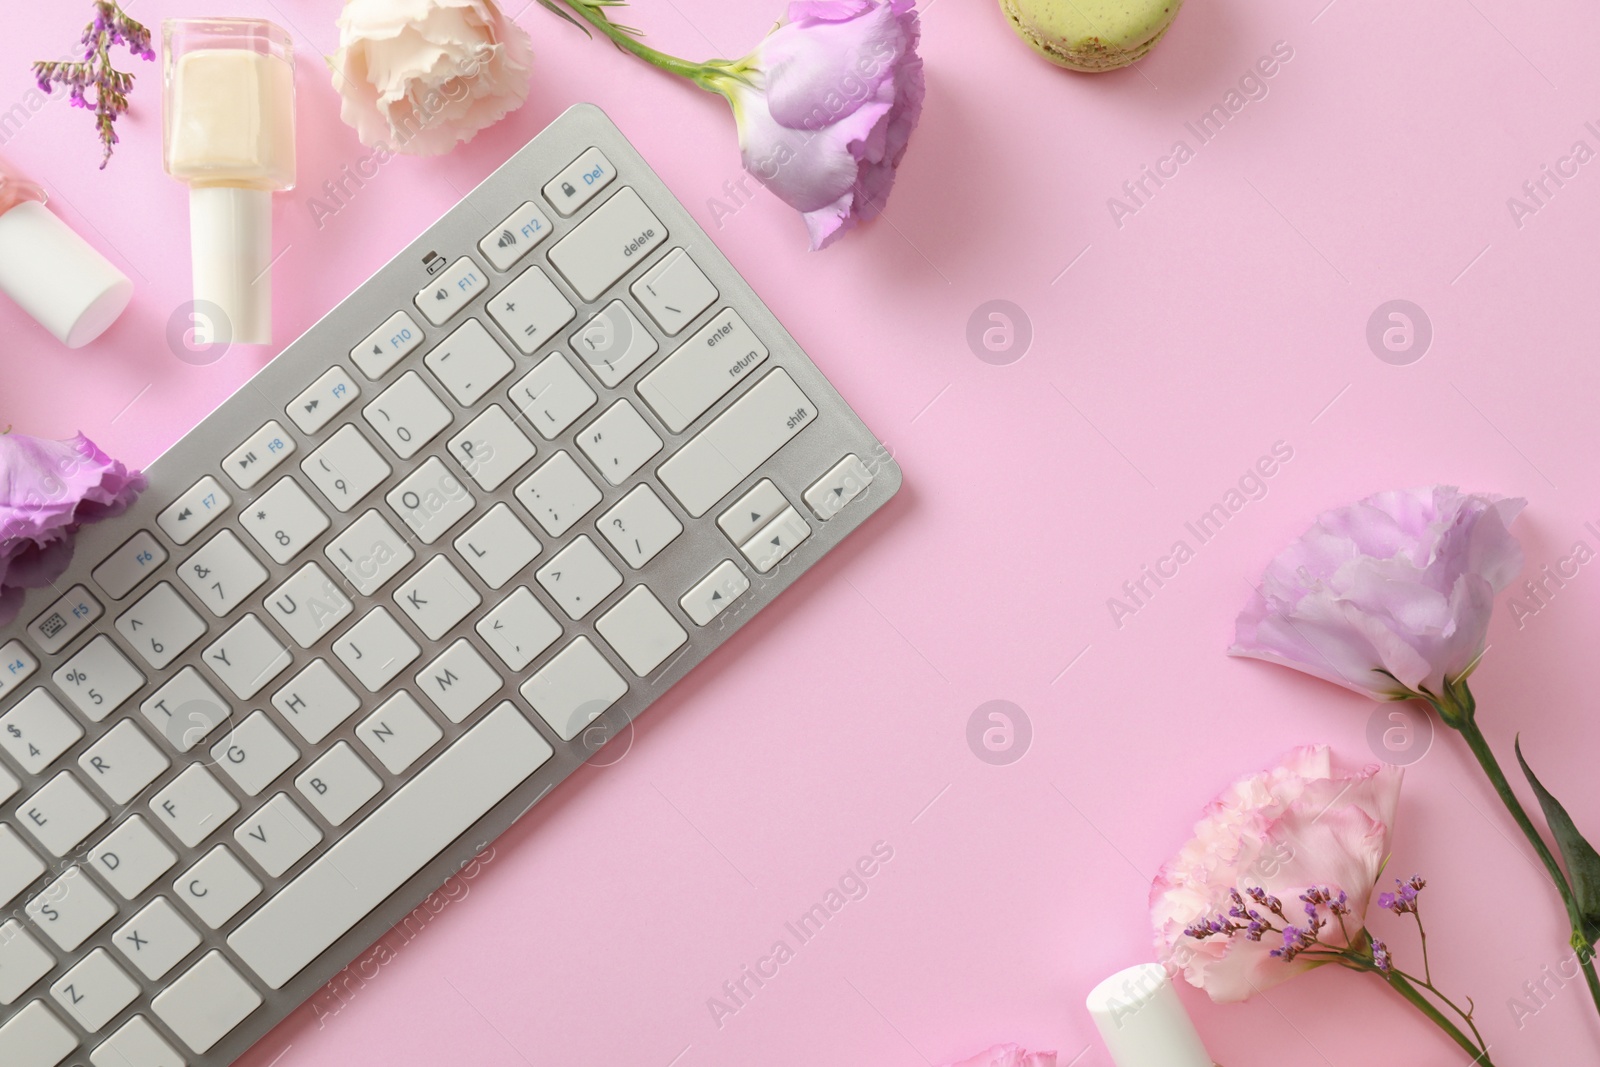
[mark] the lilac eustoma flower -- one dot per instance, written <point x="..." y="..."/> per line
<point x="826" y="105"/>
<point x="1390" y="596"/>
<point x="47" y="490"/>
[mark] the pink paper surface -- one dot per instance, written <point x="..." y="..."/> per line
<point x="1172" y="345"/>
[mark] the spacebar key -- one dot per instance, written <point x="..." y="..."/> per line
<point x="368" y="864"/>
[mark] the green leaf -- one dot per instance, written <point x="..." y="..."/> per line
<point x="551" y="5"/>
<point x="1583" y="862"/>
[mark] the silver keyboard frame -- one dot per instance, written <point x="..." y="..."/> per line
<point x="836" y="432"/>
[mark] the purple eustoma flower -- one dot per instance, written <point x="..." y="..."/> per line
<point x="1390" y="596"/>
<point x="47" y="490"/>
<point x="826" y="105"/>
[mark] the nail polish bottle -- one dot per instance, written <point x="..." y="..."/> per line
<point x="1143" y="1022"/>
<point x="228" y="124"/>
<point x="51" y="272"/>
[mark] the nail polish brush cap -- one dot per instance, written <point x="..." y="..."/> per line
<point x="58" y="277"/>
<point x="1142" y="1021"/>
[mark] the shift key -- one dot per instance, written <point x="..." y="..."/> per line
<point x="736" y="442"/>
<point x="608" y="244"/>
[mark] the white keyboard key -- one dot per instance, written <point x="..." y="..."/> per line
<point x="613" y="344"/>
<point x="278" y="835"/>
<point x="829" y="494"/>
<point x="531" y="310"/>
<point x="160" y="626"/>
<point x="194" y="806"/>
<point x="157" y="939"/>
<point x="376" y="649"/>
<point x="579" y="181"/>
<point x="69" y="909"/>
<point x="558" y="494"/>
<point x="254" y="753"/>
<point x="217" y="887"/>
<point x="518" y="629"/>
<point x="752" y="511"/>
<point x="386" y="346"/>
<point x="704" y="368"/>
<point x="491" y="448"/>
<point x="674" y="291"/>
<point x="19" y="866"/>
<point x="619" y="442"/>
<point x="552" y="395"/>
<point x="260" y="453"/>
<point x="452" y="290"/>
<point x="193" y="511"/>
<point x="603" y="247"/>
<point x="316" y="701"/>
<point x="17" y="665"/>
<point x="345" y="468"/>
<point x="407" y="415"/>
<point x="436" y="598"/>
<point x="468" y="363"/>
<point x="369" y="552"/>
<point x="431" y="500"/>
<point x="642" y="631"/>
<point x="283" y="520"/>
<point x="776" y="540"/>
<point x="222" y="574"/>
<point x="34" y="1037"/>
<point x="131" y="857"/>
<point x="247" y="657"/>
<point x="206" y="1002"/>
<point x="64" y="620"/>
<point x="94" y="991"/>
<point x="123" y="762"/>
<point x="185" y="710"/>
<point x="36" y="730"/>
<point x="60" y="814"/>
<point x="309" y="605"/>
<point x="129" y="565"/>
<point x="497" y="546"/>
<point x="573" y="689"/>
<point x="324" y="398"/>
<point x="22" y="961"/>
<point x="460" y="681"/>
<point x="399" y="732"/>
<point x="515" y="236"/>
<point x="736" y="442"/>
<point x="579" y="577"/>
<point x="338" y="783"/>
<point x="136" y="1044"/>
<point x="8" y="785"/>
<point x="639" y="526"/>
<point x="713" y="593"/>
<point x="376" y="857"/>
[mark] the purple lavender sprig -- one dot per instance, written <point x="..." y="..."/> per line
<point x="1254" y="913"/>
<point x="111" y="26"/>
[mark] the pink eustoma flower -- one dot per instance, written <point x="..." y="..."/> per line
<point x="47" y="490"/>
<point x="1286" y="830"/>
<point x="826" y="105"/>
<point x="1008" y="1055"/>
<point x="1390" y="596"/>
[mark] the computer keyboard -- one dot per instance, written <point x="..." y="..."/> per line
<point x="388" y="595"/>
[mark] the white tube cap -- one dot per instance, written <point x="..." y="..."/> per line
<point x="58" y="277"/>
<point x="230" y="241"/>
<point x="1142" y="1021"/>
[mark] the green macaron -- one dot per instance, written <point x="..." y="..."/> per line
<point x="1091" y="35"/>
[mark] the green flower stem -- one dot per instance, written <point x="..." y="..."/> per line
<point x="1461" y="716"/>
<point x="709" y="75"/>
<point x="1402" y="985"/>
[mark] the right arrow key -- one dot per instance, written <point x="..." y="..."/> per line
<point x="847" y="480"/>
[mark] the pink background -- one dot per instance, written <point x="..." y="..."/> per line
<point x="1227" y="314"/>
